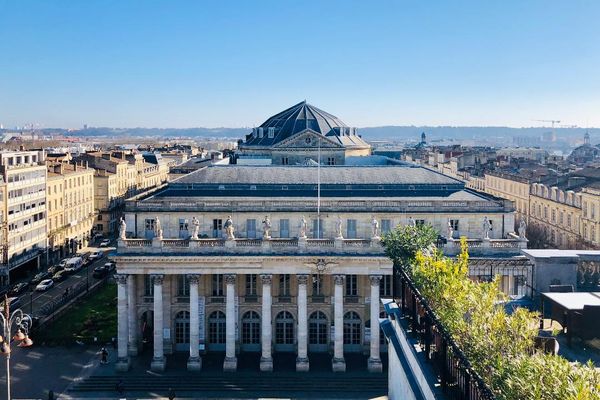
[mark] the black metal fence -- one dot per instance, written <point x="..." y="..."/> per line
<point x="457" y="378"/>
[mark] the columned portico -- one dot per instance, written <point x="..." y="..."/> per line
<point x="266" y="359"/>
<point x="194" y="362"/>
<point x="123" y="327"/>
<point x="158" y="361"/>
<point x="374" y="358"/>
<point x="338" y="362"/>
<point x="230" y="363"/>
<point x="131" y="310"/>
<point x="302" y="360"/>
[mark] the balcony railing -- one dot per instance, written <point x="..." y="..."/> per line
<point x="456" y="376"/>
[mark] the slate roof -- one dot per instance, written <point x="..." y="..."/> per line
<point x="300" y="117"/>
<point x="343" y="175"/>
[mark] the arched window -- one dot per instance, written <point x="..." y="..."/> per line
<point x="182" y="328"/>
<point x="284" y="328"/>
<point x="216" y="327"/>
<point x="317" y="328"/>
<point x="352" y="331"/>
<point x="251" y="328"/>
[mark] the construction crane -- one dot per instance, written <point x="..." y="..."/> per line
<point x="553" y="121"/>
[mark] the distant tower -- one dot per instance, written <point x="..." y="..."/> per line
<point x="586" y="139"/>
<point x="423" y="138"/>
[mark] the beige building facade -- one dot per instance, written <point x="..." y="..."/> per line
<point x="510" y="187"/>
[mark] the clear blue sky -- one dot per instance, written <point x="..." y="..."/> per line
<point x="234" y="63"/>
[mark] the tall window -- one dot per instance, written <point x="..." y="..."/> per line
<point x="284" y="285"/>
<point x="183" y="224"/>
<point x="285" y="161"/>
<point x="216" y="327"/>
<point x="182" y="327"/>
<point x="318" y="228"/>
<point x="251" y="228"/>
<point x="217" y="228"/>
<point x="284" y="228"/>
<point x="183" y="286"/>
<point x="149" y="224"/>
<point x="148" y="286"/>
<point x="385" y="286"/>
<point x="351" y="229"/>
<point x="386" y="225"/>
<point x="284" y="328"/>
<point x="454" y="224"/>
<point x="251" y="285"/>
<point x="352" y="328"/>
<point x="251" y="328"/>
<point x="317" y="285"/>
<point x="351" y="285"/>
<point x="317" y="328"/>
<point x="217" y="285"/>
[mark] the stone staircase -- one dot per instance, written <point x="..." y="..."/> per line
<point x="239" y="385"/>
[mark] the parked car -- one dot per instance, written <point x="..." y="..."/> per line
<point x="74" y="264"/>
<point x="105" y="243"/>
<point x="40" y="277"/>
<point x="100" y="272"/>
<point x="111" y="265"/>
<point x="54" y="269"/>
<point x="96" y="255"/>
<point x="18" y="289"/>
<point x="45" y="285"/>
<point x="63" y="262"/>
<point x="60" y="276"/>
<point x="13" y="303"/>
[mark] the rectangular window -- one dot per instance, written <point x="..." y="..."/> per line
<point x="318" y="228"/>
<point x="419" y="222"/>
<point x="149" y="225"/>
<point x="351" y="285"/>
<point x="285" y="161"/>
<point x="183" y="286"/>
<point x="385" y="286"/>
<point x="386" y="225"/>
<point x="330" y="160"/>
<point x="251" y="228"/>
<point x="454" y="224"/>
<point x="284" y="228"/>
<point x="148" y="286"/>
<point x="217" y="285"/>
<point x="351" y="229"/>
<point x="99" y="216"/>
<point x="251" y="285"/>
<point x="317" y="285"/>
<point x="284" y="285"/>
<point x="183" y="224"/>
<point x="217" y="227"/>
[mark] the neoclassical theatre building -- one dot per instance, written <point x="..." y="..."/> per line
<point x="271" y="258"/>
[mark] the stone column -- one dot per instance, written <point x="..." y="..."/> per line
<point x="302" y="360"/>
<point x="194" y="362"/>
<point x="158" y="361"/>
<point x="374" y="359"/>
<point x="266" y="339"/>
<point x="123" y="323"/>
<point x="230" y="363"/>
<point x="134" y="326"/>
<point x="338" y="363"/>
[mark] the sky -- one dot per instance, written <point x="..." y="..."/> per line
<point x="125" y="63"/>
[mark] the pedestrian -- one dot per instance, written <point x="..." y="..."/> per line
<point x="172" y="394"/>
<point x="104" y="356"/>
<point x="120" y="387"/>
<point x="114" y="342"/>
<point x="51" y="395"/>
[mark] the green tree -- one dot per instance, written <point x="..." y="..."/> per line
<point x="404" y="242"/>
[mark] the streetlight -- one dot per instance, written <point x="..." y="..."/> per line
<point x="22" y="322"/>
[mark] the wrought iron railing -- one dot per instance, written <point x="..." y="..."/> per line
<point x="457" y="378"/>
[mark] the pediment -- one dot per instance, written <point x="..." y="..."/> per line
<point x="308" y="139"/>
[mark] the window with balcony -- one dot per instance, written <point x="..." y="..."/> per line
<point x="351" y="229"/>
<point x="284" y="228"/>
<point x="386" y="226"/>
<point x="217" y="228"/>
<point x="318" y="228"/>
<point x="251" y="228"/>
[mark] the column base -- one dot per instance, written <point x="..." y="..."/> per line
<point x="302" y="365"/>
<point x="266" y="364"/>
<point x="338" y="365"/>
<point x="194" y="364"/>
<point x="158" y="364"/>
<point x="122" y="364"/>
<point x="230" y="364"/>
<point x="375" y="365"/>
<point x="132" y="349"/>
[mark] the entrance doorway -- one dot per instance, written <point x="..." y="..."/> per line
<point x="182" y="331"/>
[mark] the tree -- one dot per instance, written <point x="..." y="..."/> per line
<point x="404" y="242"/>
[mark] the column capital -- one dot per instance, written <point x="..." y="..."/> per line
<point x="193" y="279"/>
<point x="302" y="279"/>
<point x="230" y="279"/>
<point x="339" y="279"/>
<point x="157" y="279"/>
<point x="266" y="279"/>
<point x="375" y="279"/>
<point x="121" y="278"/>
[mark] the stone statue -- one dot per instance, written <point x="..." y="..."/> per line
<point x="411" y="222"/>
<point x="229" y="230"/>
<point x="522" y="228"/>
<point x="338" y="228"/>
<point x="122" y="229"/>
<point x="303" y="228"/>
<point x="196" y="228"/>
<point x="450" y="230"/>
<point x="266" y="227"/>
<point x="487" y="227"/>
<point x="158" y="229"/>
<point x="374" y="227"/>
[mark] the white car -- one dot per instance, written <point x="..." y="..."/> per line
<point x="44" y="285"/>
<point x="105" y="243"/>
<point x="96" y="255"/>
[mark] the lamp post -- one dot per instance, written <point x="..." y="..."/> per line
<point x="21" y="322"/>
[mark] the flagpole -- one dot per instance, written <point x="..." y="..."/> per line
<point x="319" y="191"/>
